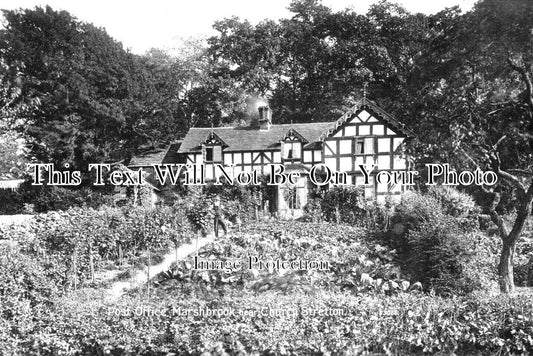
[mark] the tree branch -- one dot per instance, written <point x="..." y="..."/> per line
<point x="496" y="218"/>
<point x="513" y="180"/>
<point x="526" y="78"/>
<point x="520" y="171"/>
<point x="523" y="212"/>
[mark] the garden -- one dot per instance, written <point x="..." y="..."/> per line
<point x="92" y="269"/>
<point x="409" y="278"/>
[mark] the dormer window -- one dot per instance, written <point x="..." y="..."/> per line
<point x="212" y="147"/>
<point x="292" y="150"/>
<point x="291" y="145"/>
<point x="213" y="153"/>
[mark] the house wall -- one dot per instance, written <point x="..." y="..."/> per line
<point x="366" y="140"/>
<point x="363" y="139"/>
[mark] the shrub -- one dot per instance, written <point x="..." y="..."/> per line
<point x="48" y="198"/>
<point x="442" y="256"/>
<point x="313" y="211"/>
<point x="453" y="201"/>
<point x="200" y="215"/>
<point x="523" y="269"/>
<point x="413" y="210"/>
<point x="439" y="244"/>
<point x="343" y="205"/>
<point x="457" y="204"/>
<point x="12" y="202"/>
<point x="74" y="241"/>
<point x="26" y="289"/>
<point x="239" y="201"/>
<point x="23" y="277"/>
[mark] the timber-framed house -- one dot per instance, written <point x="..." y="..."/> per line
<point x="364" y="135"/>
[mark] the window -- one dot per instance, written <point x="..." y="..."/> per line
<point x="213" y="154"/>
<point x="359" y="147"/>
<point x="217" y="154"/>
<point x="292" y="150"/>
<point x="364" y="146"/>
<point x="209" y="154"/>
<point x="369" y="145"/>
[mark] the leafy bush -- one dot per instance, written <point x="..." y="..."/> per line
<point x="12" y="202"/>
<point x="23" y="277"/>
<point x="347" y="205"/>
<point x="313" y="211"/>
<point x="242" y="202"/>
<point x="343" y="204"/>
<point x="200" y="214"/>
<point x="48" y="198"/>
<point x="453" y="201"/>
<point x="523" y="269"/>
<point x="413" y="210"/>
<point x="77" y="239"/>
<point x="439" y="244"/>
<point x="443" y="257"/>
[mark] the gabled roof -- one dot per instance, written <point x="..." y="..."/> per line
<point x="147" y="159"/>
<point x="292" y="134"/>
<point x="214" y="139"/>
<point x="376" y="111"/>
<point x="159" y="156"/>
<point x="252" y="139"/>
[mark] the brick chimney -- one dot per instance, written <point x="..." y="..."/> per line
<point x="265" y="117"/>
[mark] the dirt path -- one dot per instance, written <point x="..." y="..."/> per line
<point x="117" y="289"/>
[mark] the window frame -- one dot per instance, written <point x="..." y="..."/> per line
<point x="212" y="150"/>
<point x="289" y="154"/>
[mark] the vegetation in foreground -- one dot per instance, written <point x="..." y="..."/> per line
<point x="368" y="303"/>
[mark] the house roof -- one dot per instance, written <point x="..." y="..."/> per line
<point x="147" y="159"/>
<point x="253" y="139"/>
<point x="172" y="155"/>
<point x="148" y="179"/>
<point x="155" y="157"/>
<point x="376" y="111"/>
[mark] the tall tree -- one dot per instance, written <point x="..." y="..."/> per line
<point x="312" y="65"/>
<point x="13" y="114"/>
<point x="86" y="83"/>
<point x="476" y="98"/>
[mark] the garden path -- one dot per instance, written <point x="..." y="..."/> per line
<point x="117" y="289"/>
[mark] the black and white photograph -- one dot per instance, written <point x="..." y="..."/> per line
<point x="284" y="177"/>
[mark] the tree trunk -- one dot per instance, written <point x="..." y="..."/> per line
<point x="509" y="239"/>
<point x="505" y="268"/>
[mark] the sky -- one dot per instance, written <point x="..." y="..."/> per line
<point x="141" y="25"/>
